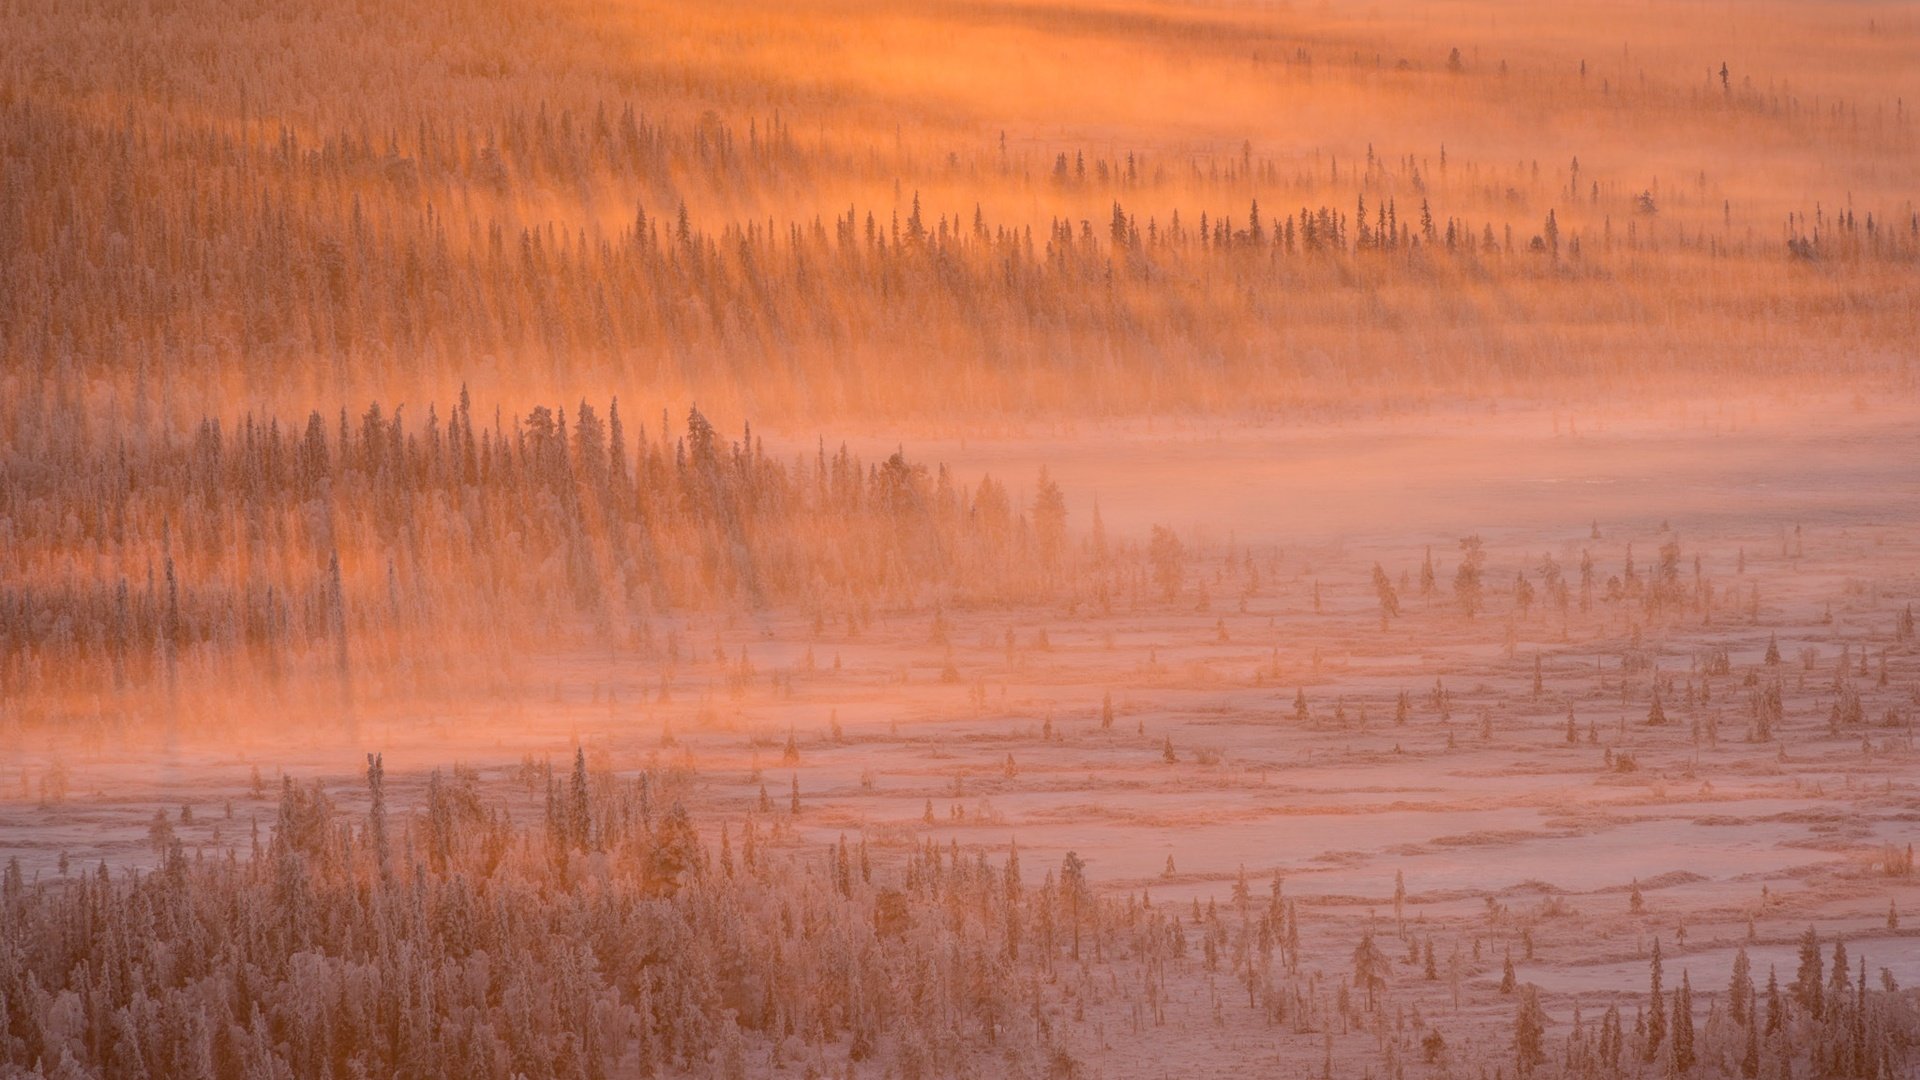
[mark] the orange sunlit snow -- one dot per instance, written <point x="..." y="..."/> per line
<point x="1028" y="538"/>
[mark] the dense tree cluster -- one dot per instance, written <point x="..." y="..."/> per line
<point x="363" y="540"/>
<point x="1839" y="1027"/>
<point x="606" y="932"/>
<point x="608" y="937"/>
<point x="604" y="939"/>
<point x="291" y="247"/>
<point x="222" y="219"/>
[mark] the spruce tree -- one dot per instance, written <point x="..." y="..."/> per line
<point x="1656" y="1008"/>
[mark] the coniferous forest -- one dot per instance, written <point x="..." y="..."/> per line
<point x="1067" y="539"/>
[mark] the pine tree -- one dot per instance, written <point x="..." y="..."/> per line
<point x="336" y="612"/>
<point x="1369" y="968"/>
<point x="1529" y="1030"/>
<point x="377" y="816"/>
<point x="1776" y="1008"/>
<point x="1073" y="886"/>
<point x="1389" y="598"/>
<point x="1466" y="579"/>
<point x="1740" y="989"/>
<point x="1656" y="1008"/>
<point x="1050" y="516"/>
<point x="1750" y="1060"/>
<point x="1808" y="990"/>
<point x="1682" y="1027"/>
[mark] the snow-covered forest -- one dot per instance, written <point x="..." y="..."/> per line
<point x="342" y="203"/>
<point x="1069" y="539"/>
<point x="603" y="937"/>
<point x="247" y="553"/>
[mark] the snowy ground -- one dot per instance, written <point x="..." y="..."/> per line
<point x="1499" y="826"/>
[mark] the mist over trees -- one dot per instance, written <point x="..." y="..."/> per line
<point x="525" y="219"/>
<point x="365" y="541"/>
<point x="656" y="436"/>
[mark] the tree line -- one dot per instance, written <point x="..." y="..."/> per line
<point x="347" y="543"/>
